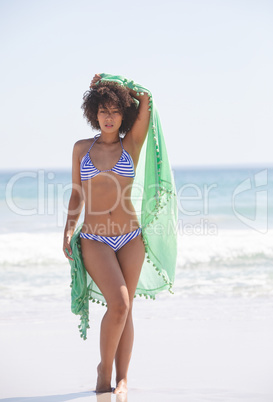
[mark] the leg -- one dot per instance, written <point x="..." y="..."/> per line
<point x="130" y="257"/>
<point x="102" y="265"/>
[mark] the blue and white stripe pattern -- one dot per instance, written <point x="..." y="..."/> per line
<point x="124" y="166"/>
<point x="115" y="242"/>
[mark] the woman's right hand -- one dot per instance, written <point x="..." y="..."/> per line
<point x="66" y="246"/>
<point x="95" y="79"/>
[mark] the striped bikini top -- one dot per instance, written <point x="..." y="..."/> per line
<point x="124" y="166"/>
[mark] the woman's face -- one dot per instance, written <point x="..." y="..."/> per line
<point x="109" y="118"/>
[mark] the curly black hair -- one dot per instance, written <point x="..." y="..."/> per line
<point x="110" y="93"/>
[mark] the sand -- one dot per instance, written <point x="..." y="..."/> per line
<point x="188" y="350"/>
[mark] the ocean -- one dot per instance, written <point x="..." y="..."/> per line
<point x="225" y="234"/>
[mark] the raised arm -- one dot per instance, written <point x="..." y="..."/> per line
<point x="139" y="130"/>
<point x="76" y="201"/>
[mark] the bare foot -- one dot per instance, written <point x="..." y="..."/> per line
<point x="121" y="387"/>
<point x="103" y="381"/>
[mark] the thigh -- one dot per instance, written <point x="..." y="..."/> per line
<point x="131" y="257"/>
<point x="102" y="265"/>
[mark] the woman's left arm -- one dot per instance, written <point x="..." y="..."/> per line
<point x="140" y="127"/>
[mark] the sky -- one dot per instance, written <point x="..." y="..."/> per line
<point x="208" y="65"/>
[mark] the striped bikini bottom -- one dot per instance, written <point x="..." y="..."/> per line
<point x="115" y="242"/>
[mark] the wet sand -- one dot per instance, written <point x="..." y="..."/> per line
<point x="185" y="350"/>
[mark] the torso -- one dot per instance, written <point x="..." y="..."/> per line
<point x="107" y="194"/>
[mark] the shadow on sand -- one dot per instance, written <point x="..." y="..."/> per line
<point x="106" y="397"/>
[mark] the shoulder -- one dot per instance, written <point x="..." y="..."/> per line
<point x="82" y="146"/>
<point x="83" y="143"/>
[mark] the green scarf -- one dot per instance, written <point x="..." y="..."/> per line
<point x="153" y="196"/>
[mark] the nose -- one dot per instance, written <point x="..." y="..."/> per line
<point x="108" y="114"/>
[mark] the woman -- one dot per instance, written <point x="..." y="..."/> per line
<point x="111" y="242"/>
<point x="115" y="267"/>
